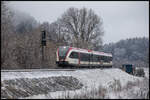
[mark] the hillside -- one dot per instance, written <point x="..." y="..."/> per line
<point x="133" y="50"/>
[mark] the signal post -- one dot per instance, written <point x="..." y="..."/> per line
<point x="43" y="43"/>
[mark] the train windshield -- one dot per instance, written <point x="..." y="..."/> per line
<point x="62" y="51"/>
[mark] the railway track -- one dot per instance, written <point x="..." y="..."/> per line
<point x="54" y="69"/>
<point x="36" y="70"/>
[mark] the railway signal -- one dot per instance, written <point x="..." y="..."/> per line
<point x="43" y="42"/>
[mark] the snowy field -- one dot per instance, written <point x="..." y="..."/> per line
<point x="90" y="78"/>
<point x="146" y="70"/>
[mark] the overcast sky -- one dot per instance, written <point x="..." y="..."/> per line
<point x="121" y="19"/>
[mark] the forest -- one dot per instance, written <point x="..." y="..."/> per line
<point x="83" y="28"/>
<point x="133" y="51"/>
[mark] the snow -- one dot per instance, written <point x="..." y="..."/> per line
<point x="122" y="76"/>
<point x="39" y="74"/>
<point x="88" y="77"/>
<point x="146" y="70"/>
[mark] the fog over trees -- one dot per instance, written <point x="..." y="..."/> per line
<point x="133" y="50"/>
<point x="83" y="28"/>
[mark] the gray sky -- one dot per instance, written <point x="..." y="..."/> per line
<point x="121" y="19"/>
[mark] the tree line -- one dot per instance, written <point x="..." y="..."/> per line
<point x="133" y="50"/>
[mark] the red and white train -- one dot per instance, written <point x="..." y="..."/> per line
<point x="70" y="56"/>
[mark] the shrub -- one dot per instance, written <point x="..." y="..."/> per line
<point x="140" y="72"/>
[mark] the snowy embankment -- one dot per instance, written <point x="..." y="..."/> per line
<point x="146" y="70"/>
<point x="109" y="79"/>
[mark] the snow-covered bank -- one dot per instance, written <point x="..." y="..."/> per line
<point x="90" y="78"/>
<point x="146" y="70"/>
<point x="25" y="87"/>
<point x="38" y="74"/>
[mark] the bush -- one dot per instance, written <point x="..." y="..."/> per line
<point x="140" y="72"/>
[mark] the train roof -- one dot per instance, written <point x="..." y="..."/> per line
<point x="91" y="51"/>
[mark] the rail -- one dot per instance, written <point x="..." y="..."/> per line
<point x="31" y="70"/>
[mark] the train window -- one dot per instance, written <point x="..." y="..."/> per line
<point x="102" y="58"/>
<point x="99" y="58"/>
<point x="95" y="58"/>
<point x="84" y="57"/>
<point x="87" y="58"/>
<point x="109" y="59"/>
<point x="74" y="55"/>
<point x="106" y="59"/>
<point x="62" y="51"/>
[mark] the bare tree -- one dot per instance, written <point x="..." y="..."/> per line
<point x="83" y="26"/>
<point x="7" y="36"/>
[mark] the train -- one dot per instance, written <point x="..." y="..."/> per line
<point x="77" y="57"/>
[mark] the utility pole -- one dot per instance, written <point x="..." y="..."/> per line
<point x="43" y="43"/>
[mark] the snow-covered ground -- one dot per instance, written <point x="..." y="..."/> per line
<point x="90" y="78"/>
<point x="146" y="70"/>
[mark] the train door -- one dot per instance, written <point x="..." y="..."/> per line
<point x="78" y="59"/>
<point x="90" y="60"/>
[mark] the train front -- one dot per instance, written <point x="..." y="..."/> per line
<point x="61" y="55"/>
